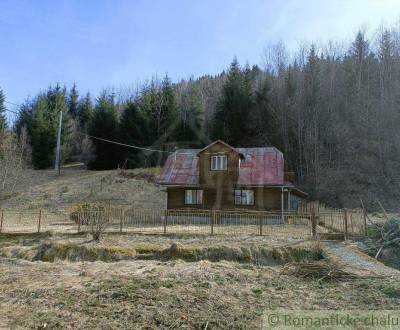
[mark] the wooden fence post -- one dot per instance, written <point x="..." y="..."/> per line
<point x="1" y="220"/>
<point x="346" y="233"/>
<point x="365" y="222"/>
<point x="313" y="223"/>
<point x="213" y="215"/>
<point x="79" y="221"/>
<point x="165" y="221"/>
<point x="121" y="219"/>
<point x="261" y="226"/>
<point x="39" y="220"/>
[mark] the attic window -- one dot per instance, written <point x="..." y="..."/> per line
<point x="219" y="162"/>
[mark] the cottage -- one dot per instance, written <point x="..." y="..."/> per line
<point x="222" y="177"/>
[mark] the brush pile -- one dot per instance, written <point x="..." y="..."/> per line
<point x="321" y="270"/>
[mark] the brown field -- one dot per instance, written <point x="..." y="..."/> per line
<point x="176" y="281"/>
<point x="191" y="280"/>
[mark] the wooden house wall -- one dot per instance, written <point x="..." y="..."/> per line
<point x="264" y="199"/>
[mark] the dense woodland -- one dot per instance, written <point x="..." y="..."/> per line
<point x="334" y="110"/>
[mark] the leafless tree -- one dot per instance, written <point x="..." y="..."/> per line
<point x="13" y="160"/>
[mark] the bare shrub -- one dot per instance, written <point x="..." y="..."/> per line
<point x="13" y="160"/>
<point x="93" y="215"/>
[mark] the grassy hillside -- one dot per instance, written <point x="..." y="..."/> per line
<point x="46" y="190"/>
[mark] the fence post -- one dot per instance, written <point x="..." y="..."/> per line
<point x="79" y="221"/>
<point x="1" y="220"/>
<point x="165" y="221"/>
<point x="212" y="221"/>
<point x="40" y="220"/>
<point x="365" y="222"/>
<point x="261" y="224"/>
<point x="351" y="222"/>
<point x="346" y="234"/>
<point x="313" y="223"/>
<point x="121" y="219"/>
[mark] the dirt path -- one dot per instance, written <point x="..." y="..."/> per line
<point x="357" y="260"/>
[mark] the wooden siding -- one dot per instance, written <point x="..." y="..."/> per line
<point x="216" y="179"/>
<point x="220" y="199"/>
<point x="218" y="186"/>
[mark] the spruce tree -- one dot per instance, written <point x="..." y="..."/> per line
<point x="85" y="111"/>
<point x="168" y="111"/>
<point x="105" y="125"/>
<point x="73" y="101"/>
<point x="191" y="117"/>
<point x="231" y="122"/>
<point x="133" y="130"/>
<point x="3" y="119"/>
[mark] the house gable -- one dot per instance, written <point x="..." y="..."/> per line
<point x="192" y="167"/>
<point x="218" y="178"/>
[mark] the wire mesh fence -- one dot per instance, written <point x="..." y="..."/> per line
<point x="156" y="221"/>
<point x="235" y="222"/>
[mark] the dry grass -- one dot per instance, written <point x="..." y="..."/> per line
<point x="144" y="281"/>
<point x="44" y="189"/>
<point x="322" y="270"/>
<point x="162" y="290"/>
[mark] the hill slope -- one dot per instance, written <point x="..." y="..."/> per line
<point x="46" y="190"/>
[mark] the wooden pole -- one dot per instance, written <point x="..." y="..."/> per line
<point x="79" y="221"/>
<point x="351" y="222"/>
<point x="212" y="221"/>
<point x="261" y="225"/>
<point x="58" y="151"/>
<point x="1" y="220"/>
<point x="121" y="219"/>
<point x="313" y="224"/>
<point x="365" y="222"/>
<point x="165" y="221"/>
<point x="39" y="220"/>
<point x="346" y="233"/>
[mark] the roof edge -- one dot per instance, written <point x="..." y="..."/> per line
<point x="223" y="143"/>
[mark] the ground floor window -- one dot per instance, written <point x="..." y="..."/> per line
<point x="193" y="196"/>
<point x="244" y="197"/>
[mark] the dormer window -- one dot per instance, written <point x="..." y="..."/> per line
<point x="219" y="162"/>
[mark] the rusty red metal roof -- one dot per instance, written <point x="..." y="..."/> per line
<point x="260" y="167"/>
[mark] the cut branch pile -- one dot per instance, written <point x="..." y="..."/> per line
<point x="388" y="232"/>
<point x="319" y="270"/>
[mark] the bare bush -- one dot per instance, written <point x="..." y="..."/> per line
<point x="13" y="160"/>
<point x="93" y="215"/>
<point x="98" y="222"/>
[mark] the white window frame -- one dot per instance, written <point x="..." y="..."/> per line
<point x="193" y="197"/>
<point x="244" y="197"/>
<point x="219" y="162"/>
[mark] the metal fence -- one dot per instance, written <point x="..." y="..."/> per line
<point x="158" y="221"/>
<point x="349" y="222"/>
<point x="298" y="224"/>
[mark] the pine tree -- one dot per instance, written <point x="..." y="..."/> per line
<point x="41" y="118"/>
<point x="3" y="120"/>
<point x="85" y="111"/>
<point x="191" y="116"/>
<point x="234" y="107"/>
<point x="158" y="103"/>
<point x="168" y="111"/>
<point x="105" y="125"/>
<point x="133" y="130"/>
<point x="73" y="101"/>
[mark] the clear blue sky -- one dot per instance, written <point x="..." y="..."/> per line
<point x="101" y="43"/>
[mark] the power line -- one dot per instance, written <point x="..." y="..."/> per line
<point x="105" y="140"/>
<point x="126" y="145"/>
